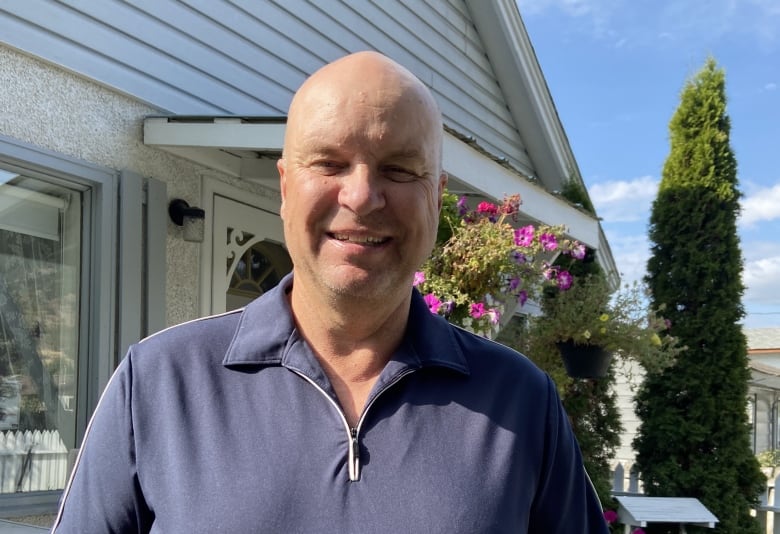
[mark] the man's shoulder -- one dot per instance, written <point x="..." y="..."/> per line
<point x="490" y="357"/>
<point x="195" y="332"/>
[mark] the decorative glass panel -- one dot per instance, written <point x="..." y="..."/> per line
<point x="258" y="268"/>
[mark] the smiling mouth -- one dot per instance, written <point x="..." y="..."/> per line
<point x="360" y="239"/>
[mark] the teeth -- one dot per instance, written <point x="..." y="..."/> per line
<point x="359" y="239"/>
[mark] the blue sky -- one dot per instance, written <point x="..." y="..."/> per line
<point x="615" y="69"/>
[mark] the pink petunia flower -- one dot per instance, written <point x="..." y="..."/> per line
<point x="419" y="278"/>
<point x="524" y="236"/>
<point x="433" y="302"/>
<point x="610" y="516"/>
<point x="548" y="241"/>
<point x="578" y="251"/>
<point x="477" y="310"/>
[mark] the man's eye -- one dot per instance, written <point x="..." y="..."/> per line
<point x="326" y="166"/>
<point x="399" y="174"/>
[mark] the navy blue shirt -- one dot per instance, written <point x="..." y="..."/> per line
<point x="229" y="424"/>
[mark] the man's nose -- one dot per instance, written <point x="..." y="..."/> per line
<point x="362" y="190"/>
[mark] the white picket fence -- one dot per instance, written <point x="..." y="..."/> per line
<point x="767" y="512"/>
<point x="32" y="461"/>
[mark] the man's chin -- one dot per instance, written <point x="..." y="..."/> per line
<point x="364" y="285"/>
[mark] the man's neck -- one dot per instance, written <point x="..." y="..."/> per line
<point x="353" y="341"/>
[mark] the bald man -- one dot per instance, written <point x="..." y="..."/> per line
<point x="336" y="402"/>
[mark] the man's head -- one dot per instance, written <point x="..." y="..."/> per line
<point x="361" y="177"/>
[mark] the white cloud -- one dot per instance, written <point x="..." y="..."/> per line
<point x="760" y="205"/>
<point x="771" y="86"/>
<point x="631" y="253"/>
<point x="624" y="200"/>
<point x="761" y="277"/>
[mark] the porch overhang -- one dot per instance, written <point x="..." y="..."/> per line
<point x="248" y="147"/>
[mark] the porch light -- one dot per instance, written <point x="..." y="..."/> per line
<point x="192" y="219"/>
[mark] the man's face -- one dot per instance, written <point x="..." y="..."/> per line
<point x="361" y="187"/>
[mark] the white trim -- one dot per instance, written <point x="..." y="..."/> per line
<point x="207" y="142"/>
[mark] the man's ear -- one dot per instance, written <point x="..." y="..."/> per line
<point x="281" y="166"/>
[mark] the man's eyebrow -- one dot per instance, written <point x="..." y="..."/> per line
<point x="408" y="153"/>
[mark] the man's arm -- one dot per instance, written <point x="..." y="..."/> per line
<point x="104" y="494"/>
<point x="566" y="502"/>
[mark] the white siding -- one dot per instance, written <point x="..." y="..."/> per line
<point x="246" y="57"/>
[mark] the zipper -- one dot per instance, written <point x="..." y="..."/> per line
<point x="353" y="433"/>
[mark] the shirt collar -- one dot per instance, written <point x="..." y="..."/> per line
<point x="266" y="330"/>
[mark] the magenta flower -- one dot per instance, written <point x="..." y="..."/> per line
<point x="522" y="297"/>
<point x="565" y="280"/>
<point x="477" y="310"/>
<point x="548" y="241"/>
<point x="514" y="283"/>
<point x="463" y="206"/>
<point x="610" y="516"/>
<point x="433" y="302"/>
<point x="578" y="251"/>
<point x="487" y="208"/>
<point x="524" y="236"/>
<point x="419" y="278"/>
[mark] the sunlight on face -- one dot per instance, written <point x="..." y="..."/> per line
<point x="361" y="178"/>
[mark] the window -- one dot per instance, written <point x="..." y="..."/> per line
<point x="40" y="251"/>
<point x="57" y="280"/>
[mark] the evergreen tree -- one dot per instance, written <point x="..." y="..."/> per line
<point x="694" y="438"/>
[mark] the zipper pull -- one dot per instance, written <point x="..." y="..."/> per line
<point x="354" y="456"/>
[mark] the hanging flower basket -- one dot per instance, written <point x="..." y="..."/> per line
<point x="584" y="361"/>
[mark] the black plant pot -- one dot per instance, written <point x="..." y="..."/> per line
<point x="584" y="361"/>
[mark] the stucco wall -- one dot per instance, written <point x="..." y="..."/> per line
<point x="50" y="108"/>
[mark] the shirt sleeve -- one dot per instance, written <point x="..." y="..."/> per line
<point x="566" y="501"/>
<point x="104" y="493"/>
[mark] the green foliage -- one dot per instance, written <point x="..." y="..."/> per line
<point x="590" y="314"/>
<point x="769" y="458"/>
<point x="694" y="437"/>
<point x="590" y="404"/>
<point x="575" y="192"/>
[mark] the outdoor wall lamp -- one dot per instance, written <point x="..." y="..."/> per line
<point x="192" y="219"/>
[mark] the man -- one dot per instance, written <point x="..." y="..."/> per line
<point x="336" y="402"/>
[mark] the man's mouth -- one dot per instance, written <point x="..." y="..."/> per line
<point x="360" y="239"/>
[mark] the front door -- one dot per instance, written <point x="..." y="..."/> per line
<point x="248" y="256"/>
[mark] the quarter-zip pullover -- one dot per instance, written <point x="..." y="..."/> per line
<point x="229" y="425"/>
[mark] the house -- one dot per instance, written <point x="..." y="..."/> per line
<point x="763" y="402"/>
<point x="111" y="112"/>
<point x="764" y="392"/>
